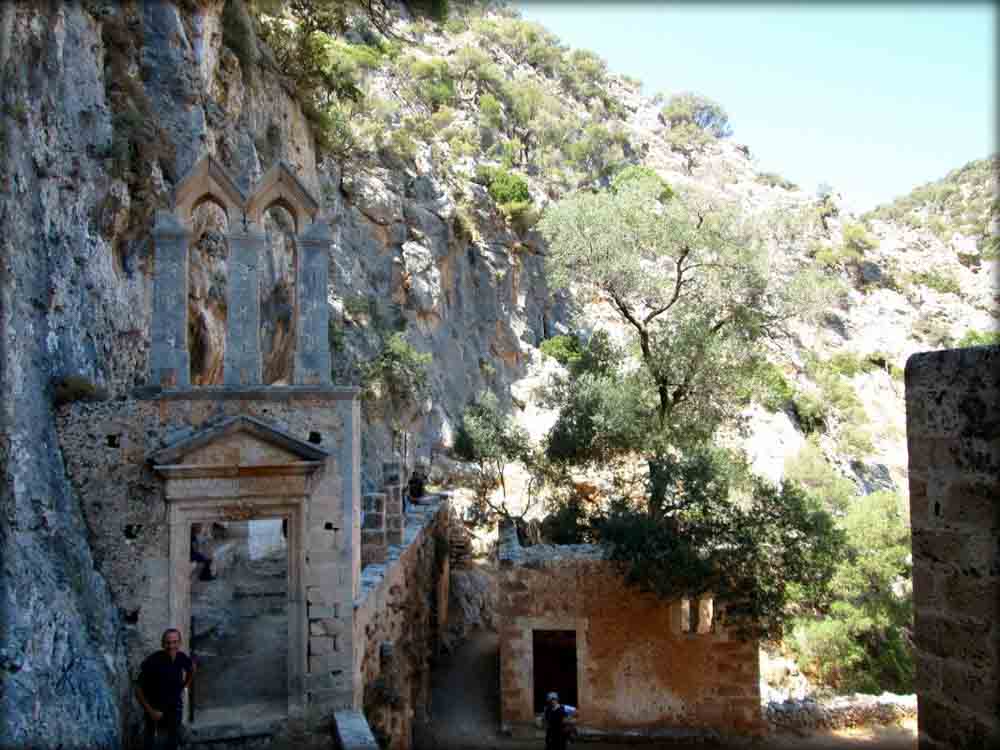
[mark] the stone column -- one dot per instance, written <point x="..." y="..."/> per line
<point x="312" y="345"/>
<point x="373" y="546"/>
<point x="243" y="363"/>
<point x="169" y="363"/>
<point x="393" y="490"/>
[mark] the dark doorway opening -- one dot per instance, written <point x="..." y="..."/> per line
<point x="554" y="664"/>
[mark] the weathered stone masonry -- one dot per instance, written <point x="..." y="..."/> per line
<point x="953" y="434"/>
<point x="146" y="467"/>
<point x="636" y="668"/>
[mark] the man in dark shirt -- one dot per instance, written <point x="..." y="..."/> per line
<point x="160" y="687"/>
<point x="557" y="726"/>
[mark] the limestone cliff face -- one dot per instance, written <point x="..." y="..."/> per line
<point x="106" y="106"/>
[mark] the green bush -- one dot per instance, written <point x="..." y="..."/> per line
<point x="398" y="374"/>
<point x="490" y="111"/>
<point x="979" y="338"/>
<point x="939" y="281"/>
<point x="861" y="642"/>
<point x="238" y="34"/>
<point x="699" y="111"/>
<point x="855" y="441"/>
<point x="775" y="390"/>
<point x="772" y="179"/>
<point x="565" y="349"/>
<point x="508" y="187"/>
<point x="857" y="239"/>
<point x="521" y="215"/>
<point x="810" y="469"/>
<point x="811" y="412"/>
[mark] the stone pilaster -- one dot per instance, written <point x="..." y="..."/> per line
<point x="393" y="489"/>
<point x="373" y="542"/>
<point x="169" y="363"/>
<point x="242" y="364"/>
<point x="312" y="346"/>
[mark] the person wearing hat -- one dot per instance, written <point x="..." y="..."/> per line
<point x="558" y="724"/>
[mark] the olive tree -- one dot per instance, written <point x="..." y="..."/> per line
<point x="699" y="287"/>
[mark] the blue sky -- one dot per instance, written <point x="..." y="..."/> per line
<point x="873" y="99"/>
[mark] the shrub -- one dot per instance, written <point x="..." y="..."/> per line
<point x="521" y="215"/>
<point x="507" y="187"/>
<point x="490" y="111"/>
<point x="855" y="441"/>
<point x="238" y="34"/>
<point x="819" y="478"/>
<point x="775" y="390"/>
<point x="940" y="281"/>
<point x="699" y="111"/>
<point x="397" y="374"/>
<point x="565" y="349"/>
<point x="979" y="338"/>
<point x="857" y="239"/>
<point x="810" y="412"/>
<point x="772" y="179"/>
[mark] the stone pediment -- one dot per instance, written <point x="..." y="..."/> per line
<point x="238" y="445"/>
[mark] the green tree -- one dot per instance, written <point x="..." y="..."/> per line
<point x="719" y="531"/>
<point x="689" y="277"/>
<point x="492" y="441"/>
<point x="397" y="377"/>
<point x="861" y="642"/>
<point x="695" y="122"/>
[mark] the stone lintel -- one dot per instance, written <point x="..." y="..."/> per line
<point x="249" y="393"/>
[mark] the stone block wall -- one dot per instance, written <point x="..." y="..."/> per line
<point x="953" y="436"/>
<point x="398" y="621"/>
<point x="106" y="446"/>
<point x="636" y="669"/>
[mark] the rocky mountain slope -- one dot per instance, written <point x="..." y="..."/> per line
<point x="107" y="105"/>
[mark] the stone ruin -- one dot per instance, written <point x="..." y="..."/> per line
<point x="633" y="663"/>
<point x="953" y="434"/>
<point x="267" y="480"/>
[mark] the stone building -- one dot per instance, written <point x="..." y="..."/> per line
<point x="953" y="434"/>
<point x="626" y="660"/>
<point x="266" y="479"/>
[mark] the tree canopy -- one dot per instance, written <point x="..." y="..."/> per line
<point x="695" y="283"/>
<point x="692" y="279"/>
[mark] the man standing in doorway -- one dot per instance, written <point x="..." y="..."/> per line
<point x="558" y="725"/>
<point x="162" y="679"/>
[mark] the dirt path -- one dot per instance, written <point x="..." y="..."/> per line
<point x="465" y="708"/>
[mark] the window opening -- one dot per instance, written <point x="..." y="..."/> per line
<point x="208" y="265"/>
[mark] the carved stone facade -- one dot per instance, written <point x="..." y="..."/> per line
<point x="208" y="181"/>
<point x="149" y="467"/>
<point x="953" y="435"/>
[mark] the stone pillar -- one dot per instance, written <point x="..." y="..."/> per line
<point x="953" y="442"/>
<point x="243" y="363"/>
<point x="393" y="489"/>
<point x="373" y="544"/>
<point x="312" y="345"/>
<point x="169" y="362"/>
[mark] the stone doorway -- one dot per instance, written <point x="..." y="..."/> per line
<point x="554" y="666"/>
<point x="239" y="622"/>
